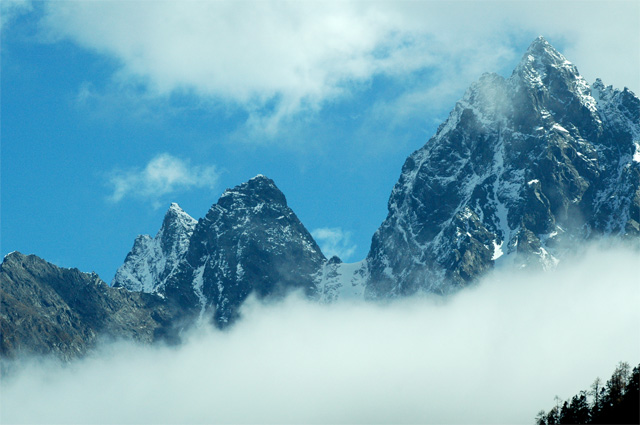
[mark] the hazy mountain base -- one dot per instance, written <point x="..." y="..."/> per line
<point x="499" y="349"/>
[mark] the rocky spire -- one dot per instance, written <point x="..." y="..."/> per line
<point x="250" y="241"/>
<point x="175" y="231"/>
<point x="152" y="260"/>
<point x="547" y="81"/>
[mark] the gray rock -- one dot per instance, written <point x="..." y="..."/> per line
<point x="152" y="260"/>
<point x="250" y="242"/>
<point x="47" y="309"/>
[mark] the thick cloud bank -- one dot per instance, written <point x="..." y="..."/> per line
<point x="495" y="353"/>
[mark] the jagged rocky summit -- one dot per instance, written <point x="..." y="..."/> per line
<point x="250" y="241"/>
<point x="152" y="260"/>
<point x="522" y="168"/>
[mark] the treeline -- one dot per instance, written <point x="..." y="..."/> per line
<point x="615" y="402"/>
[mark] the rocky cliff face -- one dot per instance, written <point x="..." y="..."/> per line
<point x="250" y="242"/>
<point x="46" y="309"/>
<point x="521" y="167"/>
<point x="151" y="260"/>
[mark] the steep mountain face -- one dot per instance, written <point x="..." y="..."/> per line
<point x="151" y="260"/>
<point x="522" y="167"/>
<point x="46" y="309"/>
<point x="249" y="242"/>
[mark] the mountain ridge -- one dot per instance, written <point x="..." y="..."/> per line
<point x="523" y="168"/>
<point x="234" y="251"/>
<point x="46" y="309"/>
<point x="524" y="150"/>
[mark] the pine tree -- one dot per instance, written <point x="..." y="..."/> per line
<point x="615" y="390"/>
<point x="541" y="418"/>
<point x="581" y="413"/>
<point x="616" y="402"/>
<point x="630" y="403"/>
<point x="596" y="389"/>
<point x="553" y="416"/>
<point x="565" y="414"/>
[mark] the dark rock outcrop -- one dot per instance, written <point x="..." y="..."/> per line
<point x="250" y="242"/>
<point x="45" y="309"/>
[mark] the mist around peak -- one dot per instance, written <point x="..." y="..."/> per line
<point x="493" y="353"/>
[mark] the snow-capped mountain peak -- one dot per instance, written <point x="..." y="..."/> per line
<point x="519" y="165"/>
<point x="152" y="260"/>
<point x="551" y="80"/>
<point x="176" y="230"/>
<point x="250" y="241"/>
<point x="258" y="190"/>
<point x="541" y="59"/>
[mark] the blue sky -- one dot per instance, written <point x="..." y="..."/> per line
<point x="113" y="110"/>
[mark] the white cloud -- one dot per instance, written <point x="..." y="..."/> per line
<point x="249" y="53"/>
<point x="334" y="241"/>
<point x="162" y="175"/>
<point x="495" y="353"/>
<point x="276" y="59"/>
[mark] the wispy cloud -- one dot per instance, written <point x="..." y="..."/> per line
<point x="334" y="241"/>
<point x="277" y="59"/>
<point x="162" y="175"/>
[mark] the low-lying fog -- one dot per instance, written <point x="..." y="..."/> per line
<point x="495" y="353"/>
